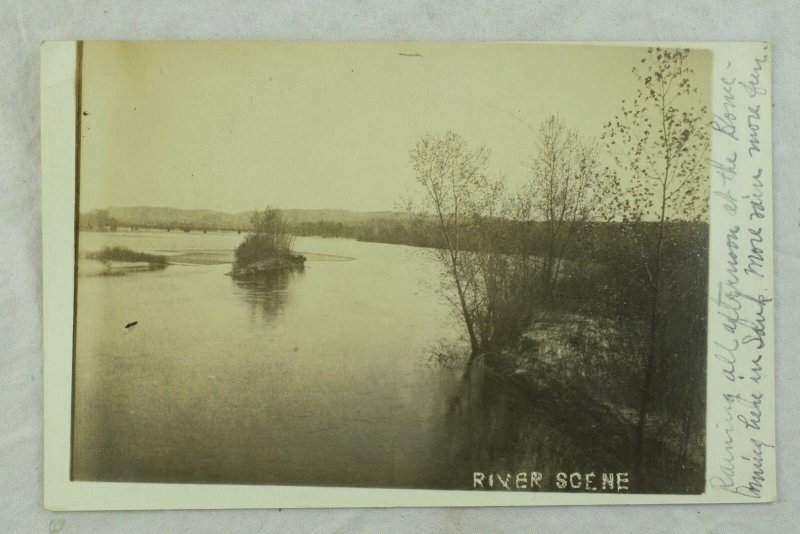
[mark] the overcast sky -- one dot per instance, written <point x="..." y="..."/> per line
<point x="237" y="125"/>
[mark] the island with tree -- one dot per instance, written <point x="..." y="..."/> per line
<point x="268" y="249"/>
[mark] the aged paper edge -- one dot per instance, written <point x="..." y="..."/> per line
<point x="58" y="111"/>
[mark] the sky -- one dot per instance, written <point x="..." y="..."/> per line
<point x="234" y="126"/>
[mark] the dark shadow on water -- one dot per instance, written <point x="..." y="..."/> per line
<point x="266" y="295"/>
<point x="500" y="424"/>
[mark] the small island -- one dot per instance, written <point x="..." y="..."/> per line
<point x="118" y="261"/>
<point x="268" y="249"/>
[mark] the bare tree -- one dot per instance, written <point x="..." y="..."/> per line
<point x="659" y="142"/>
<point x="270" y="238"/>
<point x="273" y="229"/>
<point x="465" y="204"/>
<point x="564" y="176"/>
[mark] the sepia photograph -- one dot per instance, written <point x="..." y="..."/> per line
<point x="379" y="266"/>
<point x="391" y="265"/>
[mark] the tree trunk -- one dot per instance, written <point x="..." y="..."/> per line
<point x="473" y="338"/>
<point x="650" y="359"/>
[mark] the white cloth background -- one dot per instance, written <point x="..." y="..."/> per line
<point x="25" y="23"/>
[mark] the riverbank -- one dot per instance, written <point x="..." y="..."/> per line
<point x="538" y="406"/>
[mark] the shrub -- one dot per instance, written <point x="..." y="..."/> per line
<point x="108" y="254"/>
<point x="268" y="249"/>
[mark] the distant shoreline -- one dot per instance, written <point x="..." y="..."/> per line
<point x="204" y="256"/>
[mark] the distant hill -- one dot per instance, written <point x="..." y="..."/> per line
<point x="144" y="216"/>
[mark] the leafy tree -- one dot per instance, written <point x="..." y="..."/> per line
<point x="659" y="142"/>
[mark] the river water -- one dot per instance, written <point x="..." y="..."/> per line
<point x="321" y="377"/>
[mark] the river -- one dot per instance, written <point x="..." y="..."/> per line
<point x="321" y="377"/>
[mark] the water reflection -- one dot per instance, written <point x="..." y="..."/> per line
<point x="266" y="296"/>
<point x="488" y="419"/>
<point x="507" y="424"/>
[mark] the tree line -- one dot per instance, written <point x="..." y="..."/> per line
<point x="613" y="230"/>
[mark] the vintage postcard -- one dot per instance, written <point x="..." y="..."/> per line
<point x="338" y="274"/>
